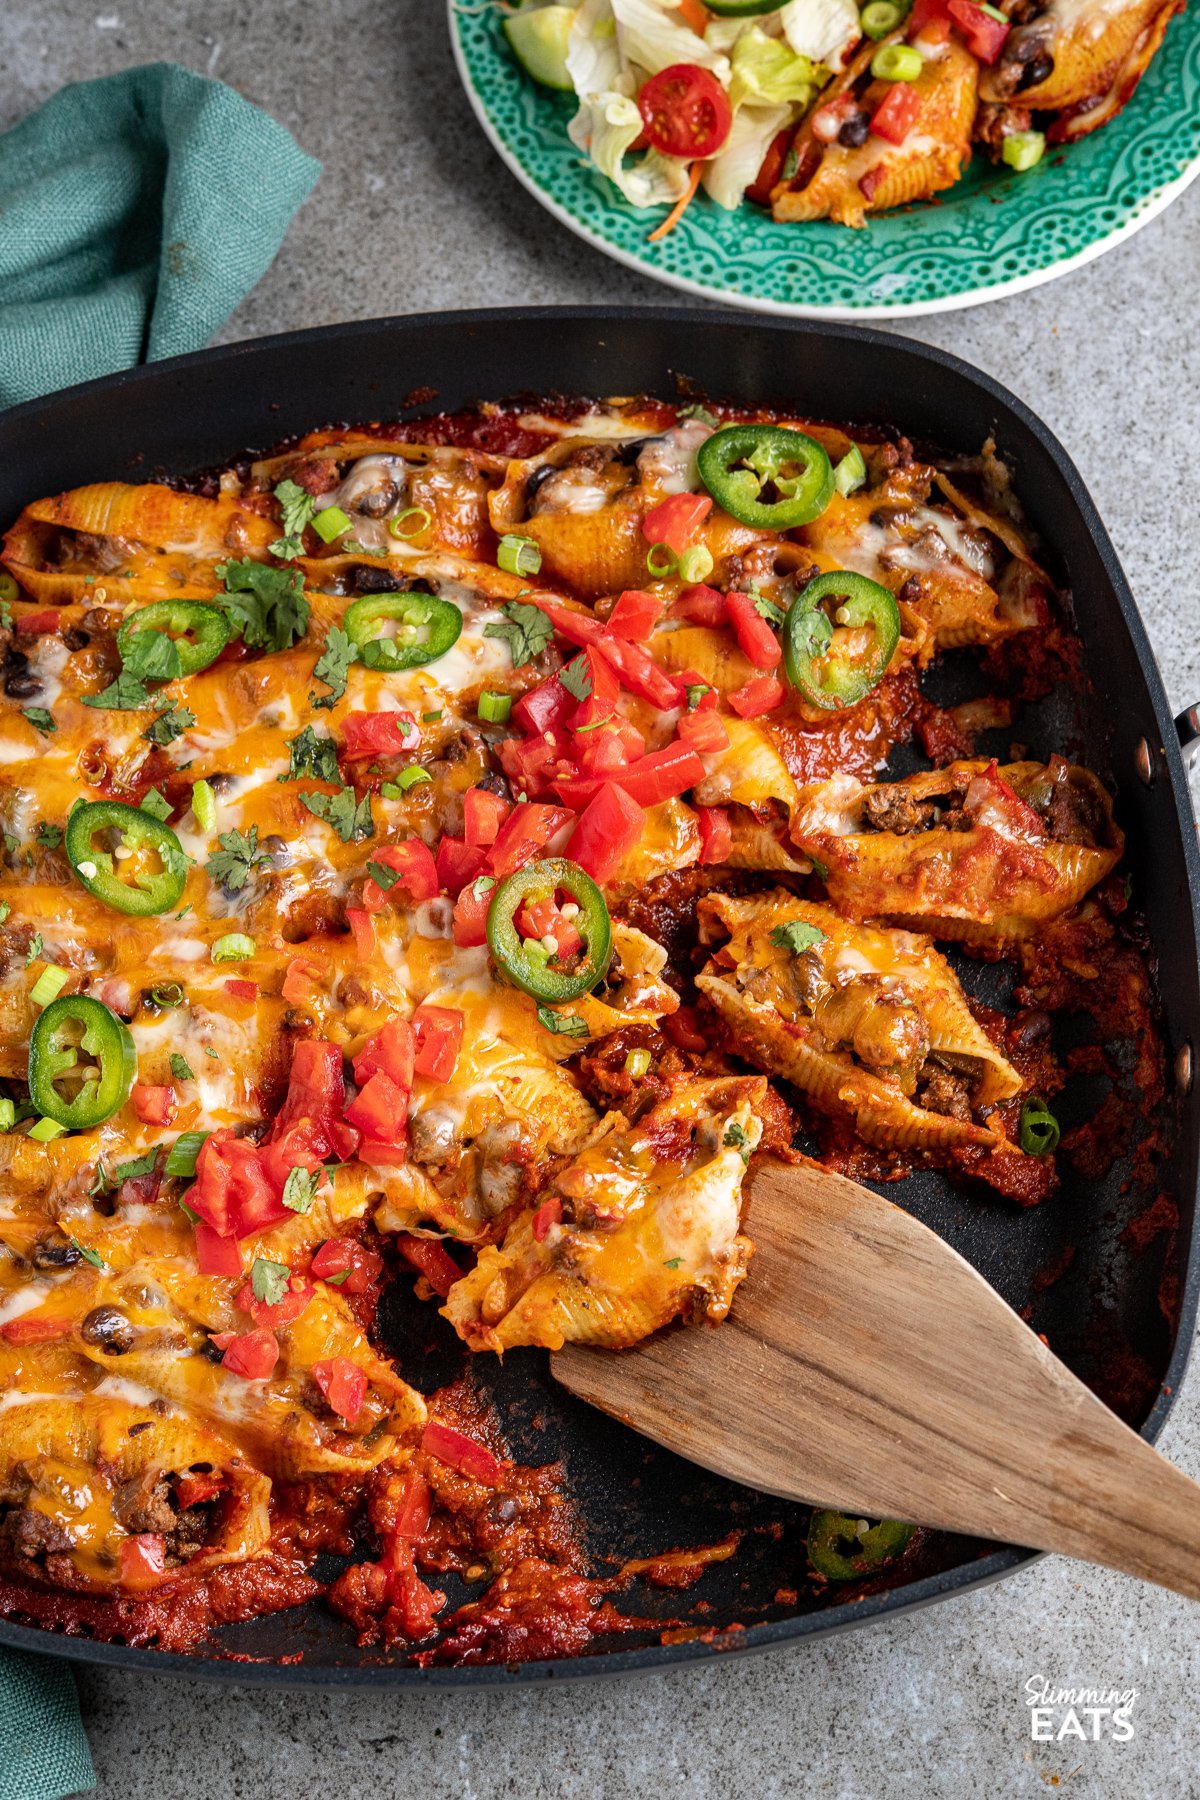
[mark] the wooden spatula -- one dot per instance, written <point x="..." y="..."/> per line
<point x="866" y="1367"/>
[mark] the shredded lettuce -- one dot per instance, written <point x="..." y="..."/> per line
<point x="767" y="72"/>
<point x="652" y="35"/>
<point x="606" y="127"/>
<point x="822" y="30"/>
<point x="728" y="174"/>
<point x="593" y="54"/>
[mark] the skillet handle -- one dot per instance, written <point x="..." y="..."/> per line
<point x="1187" y="725"/>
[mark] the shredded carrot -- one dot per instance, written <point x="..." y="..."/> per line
<point x="680" y="207"/>
<point x="693" y="14"/>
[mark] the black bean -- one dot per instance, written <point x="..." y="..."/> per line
<point x="106" y="1328"/>
<point x="537" y="479"/>
<point x="376" y="501"/>
<point x="56" y="1253"/>
<point x="855" y="132"/>
<point x="75" y="639"/>
<point x="1037" y="71"/>
<point x="373" y="581"/>
<point x="22" y="687"/>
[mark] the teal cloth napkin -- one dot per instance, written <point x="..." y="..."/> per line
<point x="43" y="1751"/>
<point x="135" y="212"/>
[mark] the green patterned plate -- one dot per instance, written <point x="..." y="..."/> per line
<point x="995" y="233"/>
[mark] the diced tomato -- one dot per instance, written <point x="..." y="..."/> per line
<point x="412" y="1516"/>
<point x="755" y="638"/>
<point x="635" y="615"/>
<point x="576" y="627"/>
<point x="580" y="790"/>
<point x="532" y="764"/>
<point x="661" y="774"/>
<point x="302" y="971"/>
<point x="413" y="1605"/>
<point x="39" y="624"/>
<point x="700" y="606"/>
<point x="315" y="1098"/>
<point x="250" y="1354"/>
<point x="379" y="734"/>
<point x="985" y="36"/>
<point x="544" y="708"/>
<point x="142" y="1559"/>
<point x="683" y="1029"/>
<point x="231" y="1191"/>
<point x="27" y="1330"/>
<point x="991" y="802"/>
<point x="470" y="915"/>
<point x="483" y="815"/>
<point x="193" y="1487"/>
<point x="390" y="1050"/>
<point x="380" y="1109"/>
<point x="676" y="520"/>
<point x="242" y="990"/>
<point x="716" y="834"/>
<point x="548" y="1213"/>
<point x="607" y="831"/>
<point x="524" y="835"/>
<point x="897" y="112"/>
<point x="641" y="675"/>
<point x="431" y="1259"/>
<point x="458" y="863"/>
<point x="932" y="33"/>
<point x="347" y="1256"/>
<point x="542" y="920"/>
<point x="261" y="1208"/>
<point x="216" y="1255"/>
<point x="600" y="752"/>
<point x="460" y="1452"/>
<point x="343" y="1384"/>
<point x="300" y="1292"/>
<point x="363" y="927"/>
<point x="439" y="1031"/>
<point x="762" y="695"/>
<point x="415" y="869"/>
<point x="599" y="680"/>
<point x="771" y="167"/>
<point x="703" y="731"/>
<point x="924" y="12"/>
<point x="378" y="1155"/>
<point x="153" y="1105"/>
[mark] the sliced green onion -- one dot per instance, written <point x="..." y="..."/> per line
<point x="170" y="994"/>
<point x="494" y="709"/>
<point x="235" y="946"/>
<point x="1039" y="1133"/>
<point x="518" y="555"/>
<point x="181" y="1157"/>
<point x="389" y="791"/>
<point x="49" y="985"/>
<point x="8" y="1115"/>
<point x="661" y="566"/>
<point x="851" y="472"/>
<point x="421" y="514"/>
<point x="637" y="1064"/>
<point x="411" y="777"/>
<point x="45" y="1129"/>
<point x="696" y="564"/>
<point x="895" y="62"/>
<point x="993" y="12"/>
<point x="1022" y="149"/>
<point x="8" y="587"/>
<point x="204" y="806"/>
<point x="429" y="717"/>
<point x="330" y="523"/>
<point x="879" y="18"/>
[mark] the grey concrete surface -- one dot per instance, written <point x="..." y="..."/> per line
<point x="413" y="213"/>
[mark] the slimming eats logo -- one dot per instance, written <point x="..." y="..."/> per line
<point x="1088" y="1714"/>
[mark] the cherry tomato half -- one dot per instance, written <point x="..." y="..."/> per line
<point x="686" y="111"/>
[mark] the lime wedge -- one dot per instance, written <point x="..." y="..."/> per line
<point x="538" y="36"/>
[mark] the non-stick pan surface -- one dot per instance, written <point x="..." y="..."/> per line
<point x="1122" y="1318"/>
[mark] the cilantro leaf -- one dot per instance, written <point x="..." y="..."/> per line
<point x="152" y="656"/>
<point x="137" y="1165"/>
<point x="269" y="1280"/>
<point x="238" y="855"/>
<point x="156" y="804"/>
<point x="766" y="609"/>
<point x="300" y="1189"/>
<point x="525" y="629"/>
<point x="696" y="411"/>
<point x="297" y="507"/>
<point x="577" y="678"/>
<point x="351" y="819"/>
<point x="49" y="836"/>
<point x="482" y="884"/>
<point x="673" y="1262"/>
<point x="735" y="1139"/>
<point x="387" y="878"/>
<point x="332" y="666"/>
<point x="312" y="753"/>
<point x="5" y="616"/>
<point x="180" y="1069"/>
<point x="266" y="604"/>
<point x="170" y="725"/>
<point x="796" y="936"/>
<point x="92" y="1256"/>
<point x="695" y="691"/>
<point x="128" y="693"/>
<point x="40" y="719"/>
<point x="36" y="946"/>
<point x="562" y="1024"/>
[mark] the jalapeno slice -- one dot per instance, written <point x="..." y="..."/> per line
<point x="845" y="1549"/>
<point x="743" y="9"/>
<point x="198" y="632"/>
<point x="82" y="1062"/>
<point x="766" y="475"/>
<point x="440" y="620"/>
<point x="527" y="961"/>
<point x="148" y="880"/>
<point x="832" y="673"/>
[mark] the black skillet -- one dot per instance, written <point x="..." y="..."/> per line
<point x="1111" y="1316"/>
